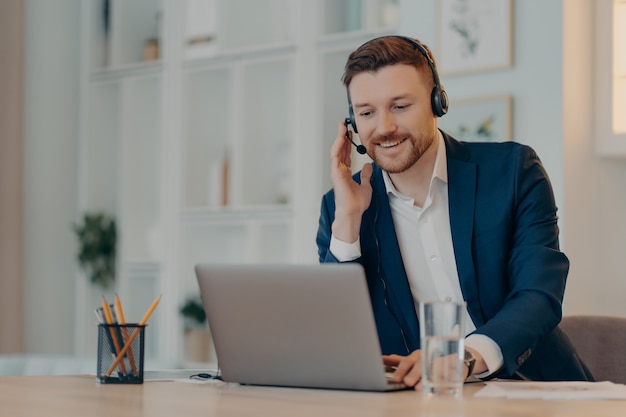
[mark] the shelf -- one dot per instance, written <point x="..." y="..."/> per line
<point x="213" y="27"/>
<point x="249" y="114"/>
<point x="262" y="152"/>
<point x="127" y="71"/>
<point x="120" y="30"/>
<point x="352" y="16"/>
<point x="221" y="216"/>
<point x="236" y="139"/>
<point x="266" y="22"/>
<point x="263" y="52"/>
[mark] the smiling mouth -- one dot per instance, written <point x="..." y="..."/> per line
<point x="390" y="144"/>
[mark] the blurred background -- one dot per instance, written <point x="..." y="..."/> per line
<point x="191" y="131"/>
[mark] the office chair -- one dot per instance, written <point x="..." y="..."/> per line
<point x="601" y="344"/>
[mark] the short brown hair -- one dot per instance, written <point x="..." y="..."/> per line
<point x="387" y="50"/>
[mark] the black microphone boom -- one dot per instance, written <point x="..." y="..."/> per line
<point x="359" y="148"/>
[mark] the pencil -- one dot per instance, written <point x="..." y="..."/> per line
<point x="122" y="320"/>
<point x="146" y="316"/>
<point x="132" y="337"/>
<point x="109" y="319"/>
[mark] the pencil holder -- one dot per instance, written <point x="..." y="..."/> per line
<point x="120" y="353"/>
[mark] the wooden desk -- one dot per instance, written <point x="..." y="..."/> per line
<point x="82" y="396"/>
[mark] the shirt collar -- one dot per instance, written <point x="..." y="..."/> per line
<point x="440" y="171"/>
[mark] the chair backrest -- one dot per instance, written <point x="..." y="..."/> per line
<point x="601" y="343"/>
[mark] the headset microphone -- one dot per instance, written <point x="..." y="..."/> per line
<point x="359" y="148"/>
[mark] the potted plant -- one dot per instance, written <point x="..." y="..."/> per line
<point x="198" y="346"/>
<point x="193" y="313"/>
<point x="97" y="238"/>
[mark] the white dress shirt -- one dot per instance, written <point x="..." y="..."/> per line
<point x="425" y="241"/>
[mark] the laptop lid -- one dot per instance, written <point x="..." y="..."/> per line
<point x="293" y="325"/>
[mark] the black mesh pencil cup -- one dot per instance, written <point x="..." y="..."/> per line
<point x="120" y="353"/>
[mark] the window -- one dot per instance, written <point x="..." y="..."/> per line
<point x="610" y="77"/>
<point x="619" y="66"/>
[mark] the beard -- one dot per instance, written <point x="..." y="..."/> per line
<point x="417" y="148"/>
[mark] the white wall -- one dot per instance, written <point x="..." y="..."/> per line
<point x="552" y="113"/>
<point x="595" y="187"/>
<point x="50" y="152"/>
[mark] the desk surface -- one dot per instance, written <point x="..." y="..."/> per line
<point x="81" y="395"/>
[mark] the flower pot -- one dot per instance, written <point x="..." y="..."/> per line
<point x="198" y="345"/>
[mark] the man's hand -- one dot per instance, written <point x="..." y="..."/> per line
<point x="408" y="369"/>
<point x="351" y="198"/>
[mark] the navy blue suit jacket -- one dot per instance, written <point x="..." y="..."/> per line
<point x="505" y="238"/>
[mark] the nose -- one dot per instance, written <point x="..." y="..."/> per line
<point x="386" y="123"/>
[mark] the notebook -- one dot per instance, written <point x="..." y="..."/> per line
<point x="309" y="326"/>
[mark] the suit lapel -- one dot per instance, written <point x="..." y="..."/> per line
<point x="391" y="265"/>
<point x="462" y="204"/>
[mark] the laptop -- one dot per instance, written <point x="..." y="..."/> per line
<point x="308" y="326"/>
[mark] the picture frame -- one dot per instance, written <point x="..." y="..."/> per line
<point x="482" y="119"/>
<point x="474" y="35"/>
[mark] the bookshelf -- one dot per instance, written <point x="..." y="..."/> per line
<point x="208" y="143"/>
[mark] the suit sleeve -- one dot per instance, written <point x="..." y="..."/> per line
<point x="536" y="268"/>
<point x="324" y="233"/>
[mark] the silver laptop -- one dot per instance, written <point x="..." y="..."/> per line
<point x="293" y="325"/>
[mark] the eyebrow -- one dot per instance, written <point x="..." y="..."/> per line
<point x="394" y="98"/>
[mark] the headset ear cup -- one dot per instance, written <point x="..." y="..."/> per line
<point x="439" y="101"/>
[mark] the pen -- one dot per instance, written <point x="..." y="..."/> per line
<point x="109" y="320"/>
<point x="132" y="337"/>
<point x="122" y="321"/>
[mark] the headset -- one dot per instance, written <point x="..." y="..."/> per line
<point x="438" y="97"/>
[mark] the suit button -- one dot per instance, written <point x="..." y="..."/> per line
<point x="524" y="356"/>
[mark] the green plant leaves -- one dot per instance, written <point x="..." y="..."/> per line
<point x="97" y="236"/>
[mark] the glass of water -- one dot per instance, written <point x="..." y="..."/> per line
<point x="442" y="333"/>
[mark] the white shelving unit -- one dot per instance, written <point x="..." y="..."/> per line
<point x="216" y="151"/>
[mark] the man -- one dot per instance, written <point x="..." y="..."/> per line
<point x="435" y="218"/>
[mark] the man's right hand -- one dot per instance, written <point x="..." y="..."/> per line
<point x="407" y="369"/>
<point x="351" y="198"/>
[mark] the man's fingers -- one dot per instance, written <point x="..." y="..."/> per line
<point x="408" y="369"/>
<point x="341" y="147"/>
<point x="392" y="360"/>
<point x="366" y="174"/>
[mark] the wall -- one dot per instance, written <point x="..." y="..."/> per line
<point x="595" y="195"/>
<point x="11" y="184"/>
<point x="50" y="153"/>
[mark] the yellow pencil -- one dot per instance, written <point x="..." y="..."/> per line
<point x="132" y="337"/>
<point x="146" y="316"/>
<point x="109" y="319"/>
<point x="122" y="321"/>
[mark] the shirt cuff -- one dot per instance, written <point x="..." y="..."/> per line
<point x="343" y="251"/>
<point x="489" y="350"/>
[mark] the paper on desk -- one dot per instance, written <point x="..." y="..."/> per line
<point x="568" y="390"/>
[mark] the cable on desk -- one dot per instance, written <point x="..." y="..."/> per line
<point x="203" y="376"/>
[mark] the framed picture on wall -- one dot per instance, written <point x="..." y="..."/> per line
<point x="474" y="35"/>
<point x="484" y="119"/>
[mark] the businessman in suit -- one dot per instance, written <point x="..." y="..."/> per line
<point x="435" y="218"/>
